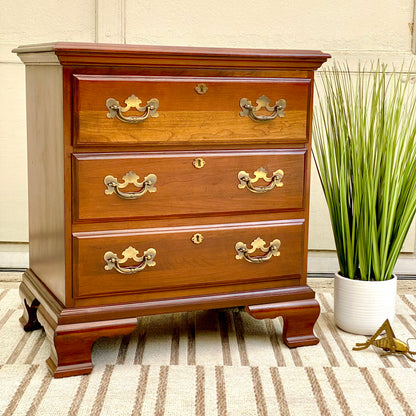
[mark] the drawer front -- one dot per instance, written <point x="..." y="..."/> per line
<point x="187" y="183"/>
<point x="185" y="116"/>
<point x="186" y="257"/>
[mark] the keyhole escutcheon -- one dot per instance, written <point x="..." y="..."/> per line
<point x="197" y="238"/>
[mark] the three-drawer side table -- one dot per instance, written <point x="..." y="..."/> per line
<point x="165" y="179"/>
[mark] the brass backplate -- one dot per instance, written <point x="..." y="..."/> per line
<point x="197" y="238"/>
<point x="199" y="162"/>
<point x="201" y="89"/>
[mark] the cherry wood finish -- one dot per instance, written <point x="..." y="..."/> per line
<point x="154" y="56"/>
<point x="299" y="317"/>
<point x="184" y="115"/>
<point x="46" y="173"/>
<point x="213" y="260"/>
<point x="73" y="145"/>
<point x="177" y="177"/>
<point x="29" y="319"/>
<point x="71" y="344"/>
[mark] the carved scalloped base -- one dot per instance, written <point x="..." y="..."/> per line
<point x="71" y="332"/>
<point x="71" y="344"/>
<point x="29" y="319"/>
<point x="299" y="317"/>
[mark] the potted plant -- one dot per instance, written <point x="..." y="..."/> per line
<point x="364" y="138"/>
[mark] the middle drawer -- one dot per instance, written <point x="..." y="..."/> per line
<point x="157" y="184"/>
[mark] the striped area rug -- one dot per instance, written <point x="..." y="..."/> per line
<point x="210" y="363"/>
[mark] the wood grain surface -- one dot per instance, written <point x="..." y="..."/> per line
<point x="186" y="116"/>
<point x="73" y="146"/>
<point x="182" y="263"/>
<point x="182" y="189"/>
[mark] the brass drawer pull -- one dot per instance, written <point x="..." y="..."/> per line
<point x="115" y="110"/>
<point x="148" y="185"/>
<point x="249" y="109"/>
<point x="260" y="173"/>
<point x="113" y="262"/>
<point x="257" y="244"/>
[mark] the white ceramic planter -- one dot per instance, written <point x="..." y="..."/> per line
<point x="361" y="306"/>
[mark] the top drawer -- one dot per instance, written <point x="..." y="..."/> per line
<point x="188" y="113"/>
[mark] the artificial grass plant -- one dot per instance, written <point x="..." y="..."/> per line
<point x="364" y="135"/>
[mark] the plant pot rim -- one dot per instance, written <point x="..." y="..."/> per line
<point x="359" y="281"/>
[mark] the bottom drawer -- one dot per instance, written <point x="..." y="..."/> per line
<point x="178" y="257"/>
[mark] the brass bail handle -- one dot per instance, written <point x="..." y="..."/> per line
<point x="277" y="109"/>
<point x="116" y="110"/>
<point x="113" y="262"/>
<point x="113" y="186"/>
<point x="243" y="252"/>
<point x="274" y="181"/>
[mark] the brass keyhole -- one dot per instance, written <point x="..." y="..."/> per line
<point x="199" y="162"/>
<point x="201" y="89"/>
<point x="197" y="238"/>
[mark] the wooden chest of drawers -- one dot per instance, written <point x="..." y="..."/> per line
<point x="162" y="180"/>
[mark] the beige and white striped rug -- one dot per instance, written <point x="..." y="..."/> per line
<point x="210" y="363"/>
